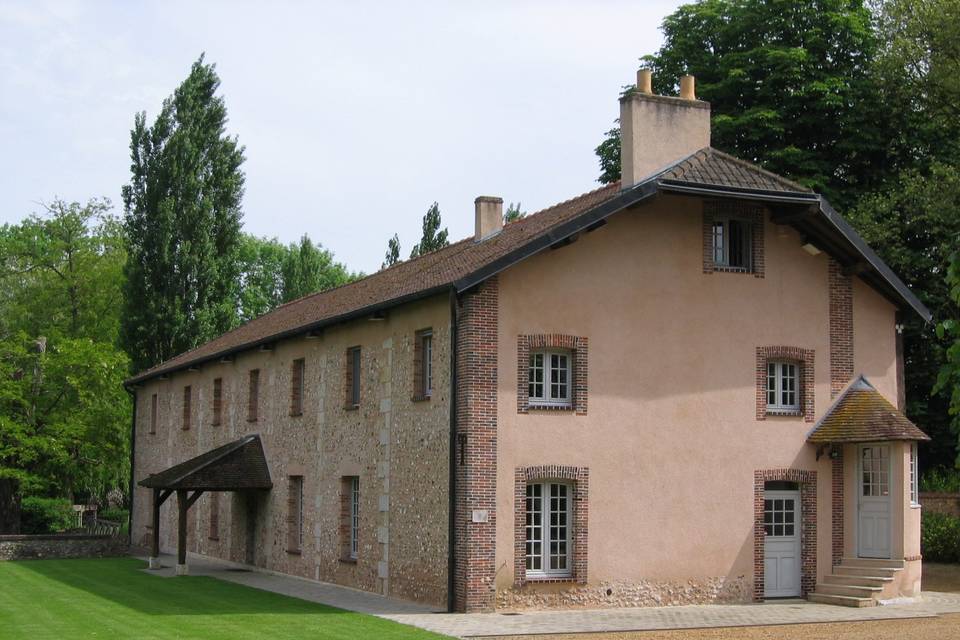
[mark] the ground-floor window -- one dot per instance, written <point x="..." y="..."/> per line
<point x="350" y="517"/>
<point x="548" y="529"/>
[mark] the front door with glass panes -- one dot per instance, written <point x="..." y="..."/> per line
<point x="548" y="530"/>
<point x="781" y="544"/>
<point x="873" y="512"/>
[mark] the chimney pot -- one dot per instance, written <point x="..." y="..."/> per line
<point x="688" y="88"/>
<point x="489" y="217"/>
<point x="645" y="81"/>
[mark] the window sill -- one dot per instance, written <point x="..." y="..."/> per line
<point x="214" y="538"/>
<point x="548" y="579"/>
<point x="916" y="505"/>
<point x="214" y="424"/>
<point x="296" y="414"/>
<point x="351" y="407"/>
<point x="549" y="407"/>
<point x="420" y="398"/>
<point x="294" y="552"/>
<point x="348" y="560"/>
<point x="252" y="420"/>
<point x="722" y="269"/>
<point x="784" y="413"/>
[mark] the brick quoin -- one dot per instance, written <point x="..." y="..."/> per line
<point x="476" y="426"/>
<point x="841" y="328"/>
<point x="808" y="529"/>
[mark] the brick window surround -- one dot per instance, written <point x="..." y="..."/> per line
<point x="579" y="478"/>
<point x="253" y="395"/>
<point x="296" y="386"/>
<point x="740" y="209"/>
<point x="419" y="391"/>
<point x="808" y="526"/>
<point x="187" y="397"/>
<point x="217" y="401"/>
<point x="578" y="347"/>
<point x="153" y="413"/>
<point x="805" y="362"/>
<point x="352" y="368"/>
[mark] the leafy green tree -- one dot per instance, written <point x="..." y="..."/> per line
<point x="914" y="225"/>
<point x="261" y="275"/>
<point x="789" y="84"/>
<point x="62" y="272"/>
<point x="64" y="416"/>
<point x="918" y="75"/>
<point x="182" y="218"/>
<point x="309" y="268"/>
<point x="393" y="252"/>
<point x="948" y="381"/>
<point x="513" y="213"/>
<point x="433" y="237"/>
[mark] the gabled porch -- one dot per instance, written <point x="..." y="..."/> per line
<point x="875" y="508"/>
<point x="236" y="466"/>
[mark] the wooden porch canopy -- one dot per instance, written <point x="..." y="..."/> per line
<point x="862" y="414"/>
<point x="236" y="466"/>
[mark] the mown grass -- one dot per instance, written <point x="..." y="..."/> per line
<point x="113" y="599"/>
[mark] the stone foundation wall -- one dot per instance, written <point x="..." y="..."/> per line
<point x="646" y="593"/>
<point x="36" y="547"/>
<point x="948" y="503"/>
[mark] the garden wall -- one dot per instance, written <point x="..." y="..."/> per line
<point x="26" y="547"/>
<point x="936" y="502"/>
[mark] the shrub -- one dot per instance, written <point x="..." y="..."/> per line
<point x="46" y="515"/>
<point x="114" y="515"/>
<point x="940" y="537"/>
<point x="941" y="480"/>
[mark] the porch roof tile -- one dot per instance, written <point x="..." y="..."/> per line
<point x="862" y="414"/>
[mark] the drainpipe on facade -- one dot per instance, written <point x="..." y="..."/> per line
<point x="452" y="488"/>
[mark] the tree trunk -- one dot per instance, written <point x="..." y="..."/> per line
<point x="9" y="507"/>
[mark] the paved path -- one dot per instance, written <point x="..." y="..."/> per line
<point x="569" y="621"/>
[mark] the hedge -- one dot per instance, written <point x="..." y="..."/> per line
<point x="46" y="515"/>
<point x="940" y="537"/>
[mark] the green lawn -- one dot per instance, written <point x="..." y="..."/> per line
<point x="112" y="599"/>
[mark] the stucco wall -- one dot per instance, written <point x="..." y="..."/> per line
<point x="399" y="448"/>
<point x="671" y="437"/>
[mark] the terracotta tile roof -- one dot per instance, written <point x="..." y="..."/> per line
<point x="430" y="272"/>
<point x="711" y="167"/>
<point x="467" y="262"/>
<point x="861" y="414"/>
<point x="236" y="465"/>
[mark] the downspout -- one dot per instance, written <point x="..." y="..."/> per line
<point x="452" y="488"/>
<point x="133" y="448"/>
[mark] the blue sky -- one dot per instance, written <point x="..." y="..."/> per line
<point x="356" y="116"/>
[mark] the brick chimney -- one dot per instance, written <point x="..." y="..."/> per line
<point x="489" y="217"/>
<point x="656" y="131"/>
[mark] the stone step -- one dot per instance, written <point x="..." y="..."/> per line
<point x="855" y="590"/>
<point x="878" y="572"/>
<point x="842" y="601"/>
<point x="873" y="562"/>
<point x="867" y="581"/>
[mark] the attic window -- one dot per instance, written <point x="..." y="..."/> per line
<point x="731" y="244"/>
<point x="733" y="237"/>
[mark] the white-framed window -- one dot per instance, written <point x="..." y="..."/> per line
<point x="732" y="243"/>
<point x="914" y="480"/>
<point x="354" y="516"/>
<point x="548" y="530"/>
<point x="550" y="379"/>
<point x="783" y="392"/>
<point x="426" y="362"/>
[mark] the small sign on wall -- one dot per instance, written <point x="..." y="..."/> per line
<point x="481" y="515"/>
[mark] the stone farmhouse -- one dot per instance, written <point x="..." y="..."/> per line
<point x="685" y="387"/>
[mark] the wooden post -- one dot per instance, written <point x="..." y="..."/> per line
<point x="155" y="542"/>
<point x="182" y="506"/>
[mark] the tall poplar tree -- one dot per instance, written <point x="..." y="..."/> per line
<point x="182" y="218"/>
<point x="433" y="237"/>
